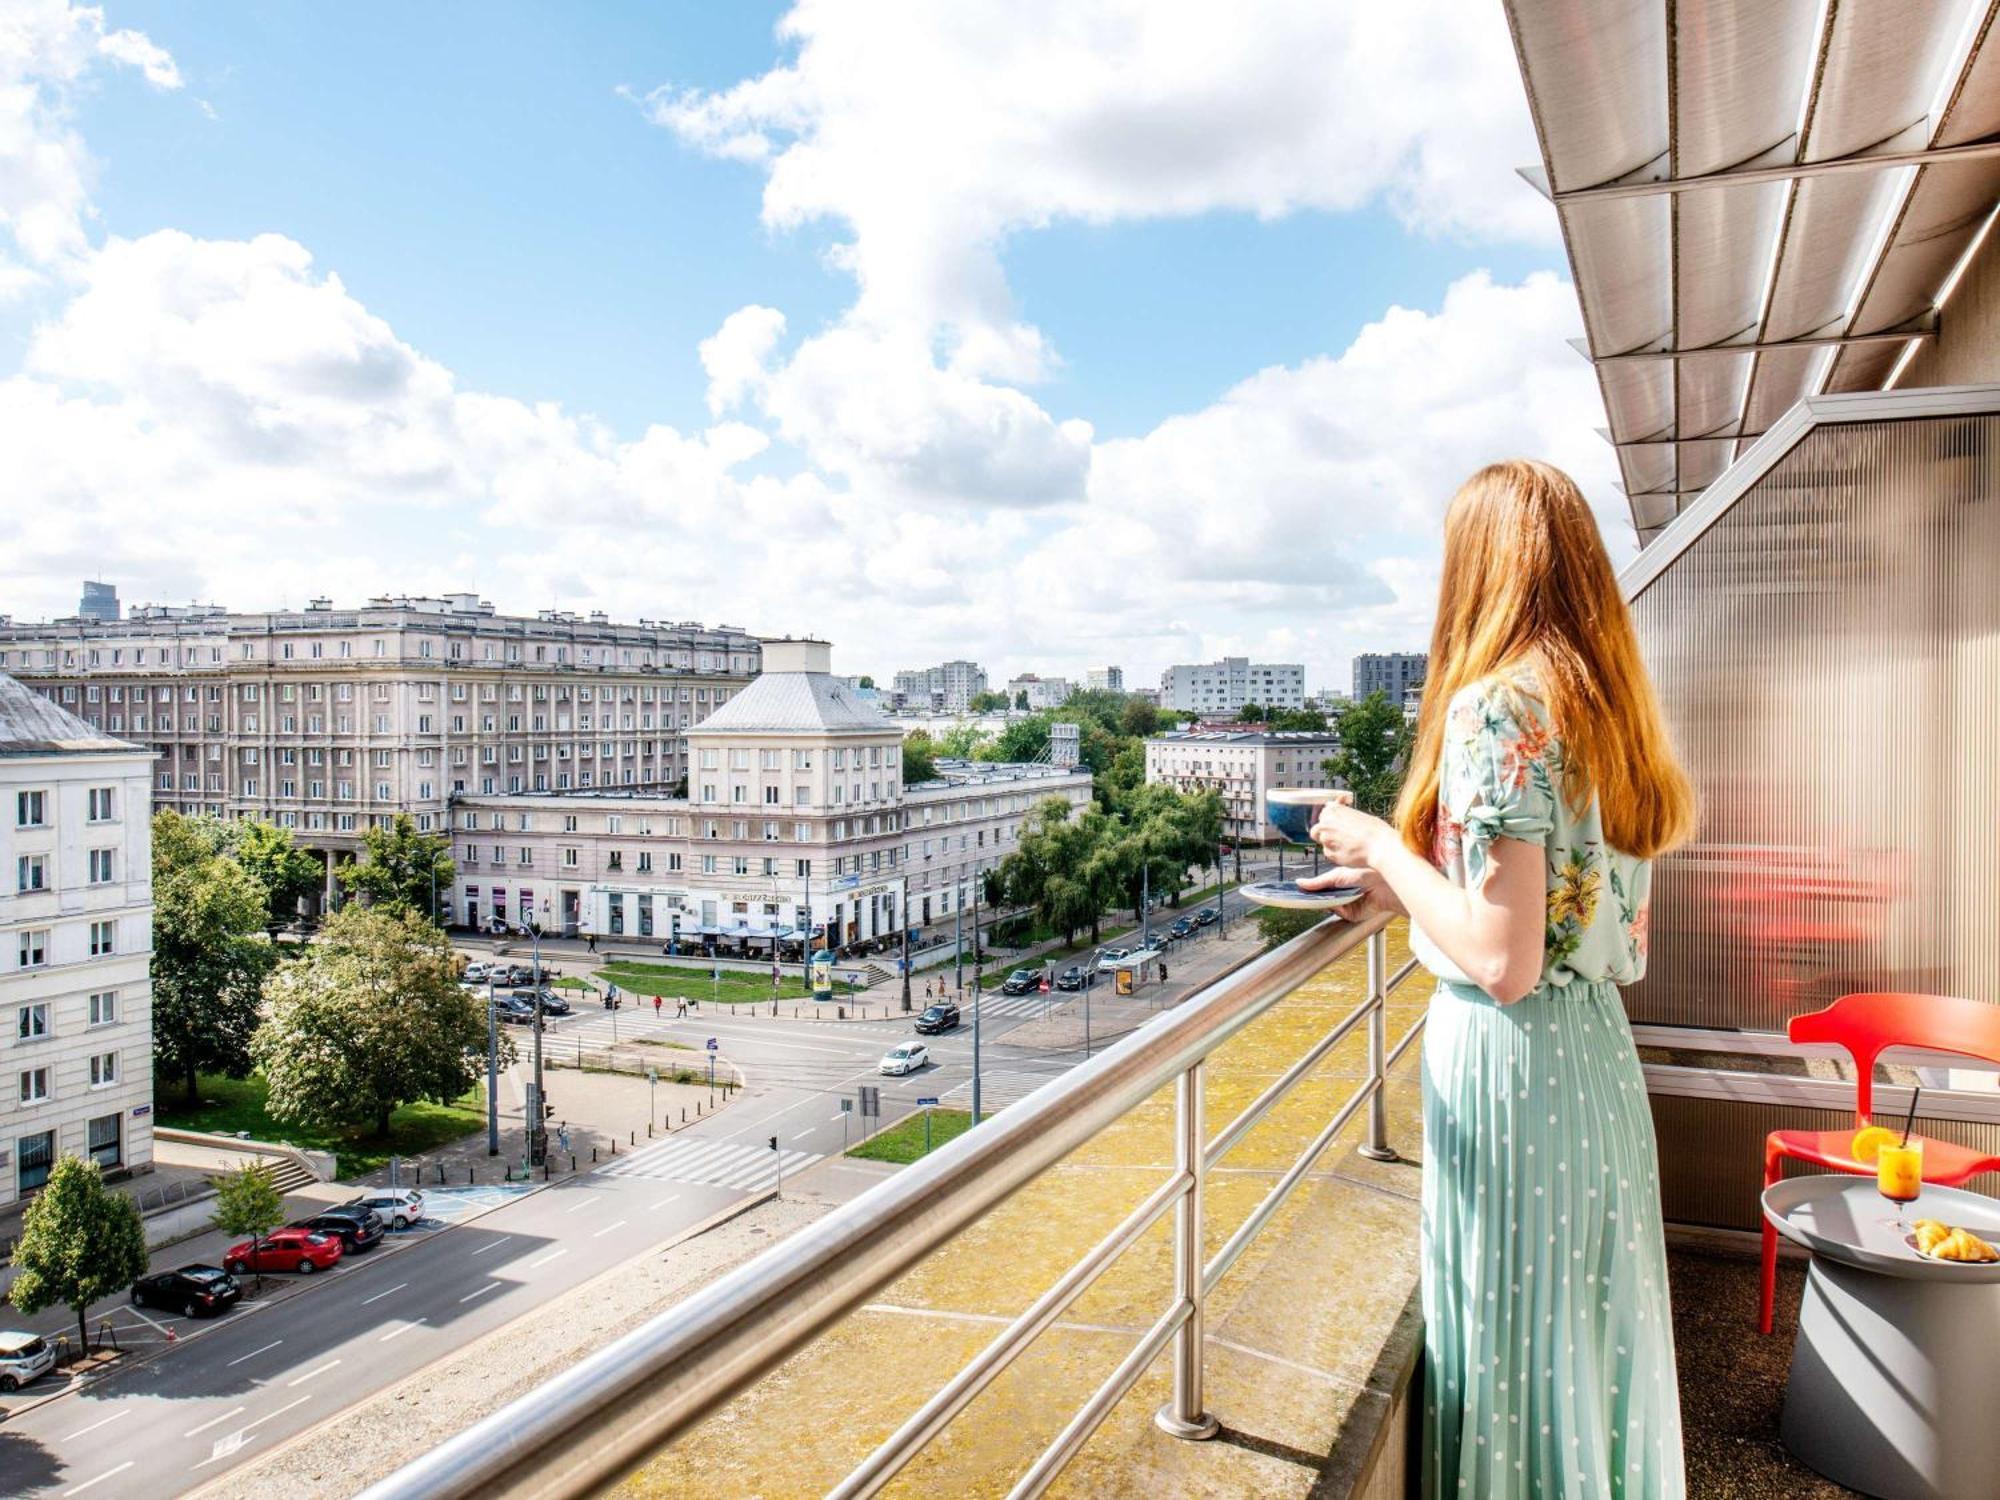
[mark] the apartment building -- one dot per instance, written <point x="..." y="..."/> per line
<point x="1241" y="765"/>
<point x="796" y="819"/>
<point x="76" y="915"/>
<point x="1397" y="673"/>
<point x="329" y="721"/>
<point x="1107" y="679"/>
<point x="950" y="686"/>
<point x="1220" y="688"/>
<point x="1038" y="692"/>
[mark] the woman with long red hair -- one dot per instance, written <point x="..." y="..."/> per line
<point x="1541" y="785"/>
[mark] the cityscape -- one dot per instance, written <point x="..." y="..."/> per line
<point x="480" y="1024"/>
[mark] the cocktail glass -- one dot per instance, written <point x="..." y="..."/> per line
<point x="1899" y="1176"/>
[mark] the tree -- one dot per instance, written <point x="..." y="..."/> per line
<point x="1250" y="713"/>
<point x="1167" y="833"/>
<point x="1309" y="720"/>
<point x="1060" y="868"/>
<point x="247" y="1201"/>
<point x="274" y="860"/>
<point x="210" y="953"/>
<point x="1278" y="925"/>
<point x="1021" y="700"/>
<point x="986" y="703"/>
<point x="404" y="869"/>
<point x="369" y="1018"/>
<point x="79" y="1242"/>
<point x="919" y="757"/>
<point x="865" y="681"/>
<point x="1374" y="752"/>
<point x="1138" y="718"/>
<point x="961" y="742"/>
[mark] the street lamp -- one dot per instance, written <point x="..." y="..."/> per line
<point x="903" y="916"/>
<point x="537" y="1135"/>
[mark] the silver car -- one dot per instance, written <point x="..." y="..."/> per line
<point x="23" y="1357"/>
<point x="399" y="1208"/>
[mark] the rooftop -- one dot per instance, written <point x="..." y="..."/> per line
<point x="1245" y="737"/>
<point x="32" y="725"/>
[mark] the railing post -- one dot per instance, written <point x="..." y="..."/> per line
<point x="1377" y="1147"/>
<point x="1183" y="1416"/>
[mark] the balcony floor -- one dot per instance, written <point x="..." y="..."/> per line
<point x="1732" y="1380"/>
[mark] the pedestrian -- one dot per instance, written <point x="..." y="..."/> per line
<point x="1163" y="973"/>
<point x="590" y="941"/>
<point x="657" y="1002"/>
<point x="681" y="1007"/>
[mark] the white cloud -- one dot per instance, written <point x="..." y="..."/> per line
<point x="47" y="50"/>
<point x="734" y="355"/>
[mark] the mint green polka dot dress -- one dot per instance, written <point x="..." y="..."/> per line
<point x="1548" y="1345"/>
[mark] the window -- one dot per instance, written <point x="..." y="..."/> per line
<point x="37" y="1153"/>
<point x="103" y="938"/>
<point x="34" y="1085"/>
<point x="103" y="1069"/>
<point x="104" y="1140"/>
<point x="100" y="866"/>
<point x="104" y="1008"/>
<point x="101" y="804"/>
<point x="34" y="1021"/>
<point x="33" y="872"/>
<point x="34" y="948"/>
<point x="31" y="809"/>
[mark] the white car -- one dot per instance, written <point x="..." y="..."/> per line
<point x="474" y="973"/>
<point x="398" y="1207"/>
<point x="23" y="1357"/>
<point x="905" y="1058"/>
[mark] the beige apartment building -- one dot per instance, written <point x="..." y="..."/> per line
<point x="1241" y="765"/>
<point x="76" y="939"/>
<point x="329" y="721"/>
<point x="796" y="818"/>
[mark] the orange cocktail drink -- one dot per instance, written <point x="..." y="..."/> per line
<point x="1899" y="1173"/>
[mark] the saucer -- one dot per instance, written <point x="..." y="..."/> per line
<point x="1286" y="893"/>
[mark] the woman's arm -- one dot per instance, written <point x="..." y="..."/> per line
<point x="1495" y="934"/>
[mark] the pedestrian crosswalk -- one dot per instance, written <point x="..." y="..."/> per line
<point x="1030" y="1006"/>
<point x="719" y="1163"/>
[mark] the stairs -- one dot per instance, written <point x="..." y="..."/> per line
<point x="288" y="1174"/>
<point x="877" y="974"/>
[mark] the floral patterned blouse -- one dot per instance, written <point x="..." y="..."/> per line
<point x="1500" y="776"/>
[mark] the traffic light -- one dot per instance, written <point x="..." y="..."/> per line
<point x="774" y="1143"/>
<point x="547" y="1109"/>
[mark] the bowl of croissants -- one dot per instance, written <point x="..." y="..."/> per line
<point x="1935" y="1240"/>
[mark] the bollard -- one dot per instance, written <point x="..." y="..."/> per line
<point x="572" y="1161"/>
<point x="545" y="1169"/>
<point x="649" y="1130"/>
<point x="468" y="1176"/>
<point x="633" y="1136"/>
<point x="684" y="1114"/>
<point x="614" y="1145"/>
<point x="593" y="1153"/>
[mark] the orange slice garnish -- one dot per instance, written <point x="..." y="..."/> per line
<point x="1869" y="1141"/>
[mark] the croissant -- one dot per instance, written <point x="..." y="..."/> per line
<point x="1930" y="1234"/>
<point x="1964" y="1245"/>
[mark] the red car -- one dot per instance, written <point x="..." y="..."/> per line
<point x="301" y="1250"/>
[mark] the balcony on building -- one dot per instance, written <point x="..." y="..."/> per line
<point x="1777" y="218"/>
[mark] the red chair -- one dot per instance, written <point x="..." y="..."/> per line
<point x="1865" y="1025"/>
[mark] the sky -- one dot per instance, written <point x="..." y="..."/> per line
<point x="1052" y="333"/>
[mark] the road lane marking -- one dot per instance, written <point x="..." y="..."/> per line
<point x="312" y="1374"/>
<point x="600" y="1234"/>
<point x="278" y="1413"/>
<point x="107" y="1474"/>
<point x="255" y="1352"/>
<point x="489" y="1245"/>
<point x="803" y="1134"/>
<point x="213" y="1422"/>
<point x="103" y="1422"/>
<point x="480" y="1293"/>
<point x="588" y="1199"/>
<point x="396" y="1333"/>
<point x="670" y="1198"/>
<point x="134" y="1311"/>
<point x="380" y="1295"/>
<point x="838" y="1118"/>
<point x="552" y="1255"/>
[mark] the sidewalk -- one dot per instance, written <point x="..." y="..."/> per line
<point x="1110" y="1016"/>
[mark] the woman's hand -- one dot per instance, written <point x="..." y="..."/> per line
<point x="1348" y="836"/>
<point x="1377" y="899"/>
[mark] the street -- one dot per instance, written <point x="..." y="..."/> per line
<point x="243" y="1383"/>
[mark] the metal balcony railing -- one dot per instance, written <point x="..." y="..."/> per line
<point x="587" y="1428"/>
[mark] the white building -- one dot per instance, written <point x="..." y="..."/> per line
<point x="950" y="686"/>
<point x="76" y="934"/>
<point x="1241" y="765"/>
<point x="1040" y="692"/>
<point x="1219" y="689"/>
<point x="797" y="819"/>
<point x="1107" y="679"/>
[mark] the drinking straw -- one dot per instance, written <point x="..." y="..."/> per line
<point x="1911" y="1118"/>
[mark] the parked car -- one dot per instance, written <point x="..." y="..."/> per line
<point x="1070" y="979"/>
<point x="287" y="1249"/>
<point x="1022" y="982"/>
<point x="1208" y="916"/>
<point x="1111" y="955"/>
<point x="905" y="1057"/>
<point x="1182" y="928"/>
<point x="514" y="1011"/>
<point x="553" y="1003"/>
<point x="23" y="1356"/>
<point x="192" y="1291"/>
<point x="475" y="973"/>
<point x="520" y="974"/>
<point x="938" y="1018"/>
<point x="399" y="1208"/>
<point x="359" y="1228"/>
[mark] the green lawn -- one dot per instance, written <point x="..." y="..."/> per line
<point x="734" y="988"/>
<point x="232" y="1104"/>
<point x="903" y="1142"/>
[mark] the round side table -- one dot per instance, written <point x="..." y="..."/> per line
<point x="1895" y="1382"/>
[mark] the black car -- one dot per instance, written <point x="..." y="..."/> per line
<point x="358" y="1228"/>
<point x="1022" y="982"/>
<point x="553" y="1003"/>
<point x="514" y="1011"/>
<point x="938" y="1018"/>
<point x="191" y="1291"/>
<point x="1182" y="927"/>
<point x="520" y="974"/>
<point x="1070" y="979"/>
<point x="1208" y="916"/>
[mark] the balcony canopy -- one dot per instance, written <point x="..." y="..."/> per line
<point x="1761" y="203"/>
